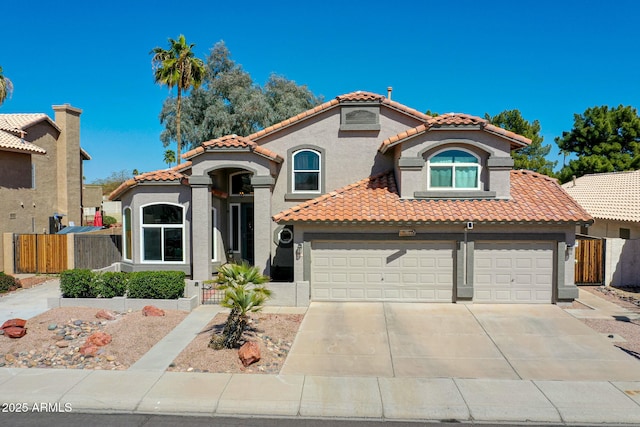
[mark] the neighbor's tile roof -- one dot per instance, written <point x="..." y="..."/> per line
<point x="614" y="195"/>
<point x="359" y="96"/>
<point x="534" y="198"/>
<point x="12" y="128"/>
<point x="455" y="120"/>
<point x="164" y="175"/>
<point x="232" y="142"/>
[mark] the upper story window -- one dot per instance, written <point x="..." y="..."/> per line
<point x="240" y="183"/>
<point x="454" y="169"/>
<point x="163" y="233"/>
<point x="306" y="171"/>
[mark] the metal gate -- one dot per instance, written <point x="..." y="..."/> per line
<point x="589" y="256"/>
<point x="210" y="294"/>
<point x="40" y="253"/>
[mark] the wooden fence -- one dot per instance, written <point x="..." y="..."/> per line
<point x="40" y="253"/>
<point x="589" y="262"/>
<point x="97" y="251"/>
<point x="47" y="253"/>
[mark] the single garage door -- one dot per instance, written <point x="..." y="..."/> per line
<point x="513" y="272"/>
<point x="382" y="271"/>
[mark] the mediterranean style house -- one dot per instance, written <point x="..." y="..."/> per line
<point x="40" y="171"/>
<point x="362" y="199"/>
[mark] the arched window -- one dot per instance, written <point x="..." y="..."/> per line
<point x="306" y="171"/>
<point x="126" y="229"/>
<point x="457" y="169"/>
<point x="162" y="233"/>
<point x="240" y="183"/>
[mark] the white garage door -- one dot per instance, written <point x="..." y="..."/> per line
<point x="382" y="271"/>
<point x="513" y="272"/>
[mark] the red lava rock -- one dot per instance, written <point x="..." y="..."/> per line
<point x="249" y="353"/>
<point x="20" y="323"/>
<point x="98" y="339"/>
<point x="105" y="314"/>
<point x="150" y="310"/>
<point x="14" y="331"/>
<point x="88" y="349"/>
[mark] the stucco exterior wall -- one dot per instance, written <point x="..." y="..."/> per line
<point x="622" y="262"/>
<point x="611" y="228"/>
<point x="148" y="194"/>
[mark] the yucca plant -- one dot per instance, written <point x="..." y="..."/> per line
<point x="244" y="292"/>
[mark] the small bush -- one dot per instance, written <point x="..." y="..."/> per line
<point x="108" y="221"/>
<point x="8" y="283"/>
<point x="156" y="284"/>
<point x="78" y="284"/>
<point x="111" y="284"/>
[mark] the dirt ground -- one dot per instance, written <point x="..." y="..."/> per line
<point x="274" y="333"/>
<point x="54" y="339"/>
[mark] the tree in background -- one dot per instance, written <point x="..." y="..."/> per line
<point x="6" y="87"/>
<point x="178" y="67"/>
<point x="605" y="140"/>
<point x="113" y="181"/>
<point x="532" y="157"/>
<point x="169" y="157"/>
<point x="229" y="102"/>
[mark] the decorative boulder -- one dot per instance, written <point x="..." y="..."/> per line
<point x="88" y="350"/>
<point x="14" y="328"/>
<point x="105" y="314"/>
<point x="99" y="339"/>
<point x="150" y="310"/>
<point x="249" y="353"/>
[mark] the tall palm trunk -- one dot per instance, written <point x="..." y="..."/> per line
<point x="178" y="137"/>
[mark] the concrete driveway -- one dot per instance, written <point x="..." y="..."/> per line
<point x="534" y="342"/>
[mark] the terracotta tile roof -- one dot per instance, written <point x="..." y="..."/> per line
<point x="175" y="174"/>
<point x="12" y="131"/>
<point x="614" y="195"/>
<point x="535" y="198"/>
<point x="232" y="142"/>
<point x="359" y="96"/>
<point x="456" y="120"/>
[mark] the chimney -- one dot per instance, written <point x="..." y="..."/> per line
<point x="389" y="90"/>
<point x="573" y="178"/>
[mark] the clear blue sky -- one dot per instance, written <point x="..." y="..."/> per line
<point x="550" y="59"/>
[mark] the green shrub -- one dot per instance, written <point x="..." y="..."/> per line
<point x="108" y="221"/>
<point x="78" y="284"/>
<point x="8" y="283"/>
<point x="156" y="284"/>
<point x="111" y="284"/>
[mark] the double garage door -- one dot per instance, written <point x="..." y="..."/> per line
<point x="425" y="271"/>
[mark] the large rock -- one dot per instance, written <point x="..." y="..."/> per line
<point x="99" y="339"/>
<point x="105" y="314"/>
<point x="150" y="310"/>
<point x="15" y="332"/>
<point x="88" y="349"/>
<point x="249" y="353"/>
<point x="14" y="328"/>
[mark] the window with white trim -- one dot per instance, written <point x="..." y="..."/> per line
<point x="163" y="233"/>
<point x="306" y="171"/>
<point x="454" y="169"/>
<point x="214" y="234"/>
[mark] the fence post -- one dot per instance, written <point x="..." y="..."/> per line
<point x="71" y="251"/>
<point x="8" y="253"/>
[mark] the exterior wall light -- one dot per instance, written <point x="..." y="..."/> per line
<point x="298" y="251"/>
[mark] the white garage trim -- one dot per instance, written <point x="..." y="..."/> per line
<point x="382" y="271"/>
<point x="513" y="272"/>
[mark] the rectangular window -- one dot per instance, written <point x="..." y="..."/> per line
<point x="234" y="227"/>
<point x="442" y="176"/>
<point x="152" y="244"/>
<point x="127" y="234"/>
<point x="214" y="234"/>
<point x="466" y="176"/>
<point x="33" y="175"/>
<point x="173" y="244"/>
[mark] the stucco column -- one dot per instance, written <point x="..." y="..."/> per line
<point x="262" y="221"/>
<point x="200" y="227"/>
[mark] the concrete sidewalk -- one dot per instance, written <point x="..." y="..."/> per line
<point x="26" y="303"/>
<point x="425" y="399"/>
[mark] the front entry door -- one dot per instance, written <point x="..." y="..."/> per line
<point x="246" y="232"/>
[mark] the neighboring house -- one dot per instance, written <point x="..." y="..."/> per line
<point x="362" y="198"/>
<point x="612" y="199"/>
<point x="91" y="201"/>
<point x="40" y="171"/>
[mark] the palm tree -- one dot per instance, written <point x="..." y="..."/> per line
<point x="6" y="87"/>
<point x="178" y="67"/>
<point x="169" y="157"/>
<point x="244" y="293"/>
